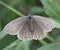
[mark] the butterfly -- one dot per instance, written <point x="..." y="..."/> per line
<point x="30" y="27"/>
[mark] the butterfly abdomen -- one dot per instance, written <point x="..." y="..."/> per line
<point x="30" y="23"/>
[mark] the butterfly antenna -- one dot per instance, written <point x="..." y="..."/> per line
<point x="27" y="11"/>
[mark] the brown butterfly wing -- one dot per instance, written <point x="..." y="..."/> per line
<point x="13" y="26"/>
<point x="45" y="23"/>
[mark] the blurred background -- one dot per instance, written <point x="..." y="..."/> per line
<point x="12" y="9"/>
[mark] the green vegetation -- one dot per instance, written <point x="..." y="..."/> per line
<point x="12" y="9"/>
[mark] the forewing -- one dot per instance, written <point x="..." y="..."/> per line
<point x="45" y="23"/>
<point x="14" y="26"/>
<point x="48" y="23"/>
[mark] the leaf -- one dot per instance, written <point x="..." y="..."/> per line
<point x="12" y="9"/>
<point x="24" y="45"/>
<point x="54" y="46"/>
<point x="28" y="45"/>
<point x="6" y="40"/>
<point x="12" y="45"/>
<point x="2" y="34"/>
<point x="57" y="24"/>
<point x="58" y="39"/>
<point x="36" y="10"/>
<point x="51" y="9"/>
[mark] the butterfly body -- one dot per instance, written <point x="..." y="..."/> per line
<point x="30" y="23"/>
